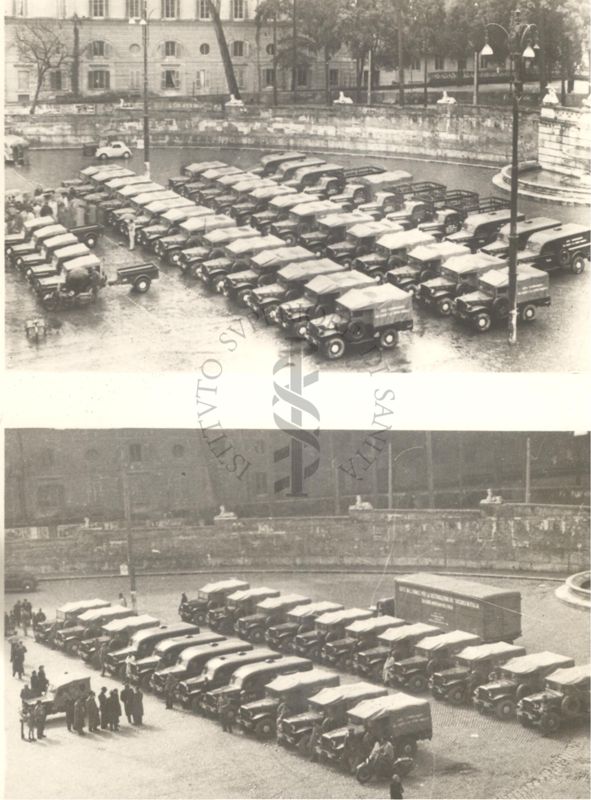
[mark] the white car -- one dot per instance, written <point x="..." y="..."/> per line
<point x="113" y="150"/>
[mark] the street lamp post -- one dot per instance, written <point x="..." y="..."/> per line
<point x="518" y="39"/>
<point x="143" y="21"/>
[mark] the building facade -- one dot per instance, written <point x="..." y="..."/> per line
<point x="58" y="477"/>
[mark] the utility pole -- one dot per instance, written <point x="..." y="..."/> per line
<point x="128" y="523"/>
<point x="146" y="112"/>
<point x="425" y="78"/>
<point x="528" y="470"/>
<point x="274" y="59"/>
<point x="400" y="56"/>
<point x="75" y="78"/>
<point x="369" y="72"/>
<point x="390" y="474"/>
<point x="294" y="54"/>
<point x="429" y="455"/>
<point x="475" y="78"/>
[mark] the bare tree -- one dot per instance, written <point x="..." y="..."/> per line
<point x="214" y="12"/>
<point x="45" y="47"/>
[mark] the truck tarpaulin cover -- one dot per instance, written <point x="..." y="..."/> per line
<point x="303" y="680"/>
<point x="534" y="661"/>
<point x="401" y="710"/>
<point x="349" y="691"/>
<point x="572" y="676"/>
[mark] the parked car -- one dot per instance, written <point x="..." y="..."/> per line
<point x="458" y="275"/>
<point x="432" y="654"/>
<point x="19" y="581"/>
<point x="271" y="611"/>
<point x="564" y="699"/>
<point x="237" y="605"/>
<point x="396" y="642"/>
<point x="116" y="149"/>
<point x="212" y="595"/>
<point x="299" y="620"/>
<point x="566" y="246"/>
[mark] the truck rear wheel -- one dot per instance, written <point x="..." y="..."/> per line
<point x="406" y="747"/>
<point x="334" y="348"/>
<point x="444" y="306"/>
<point x="388" y="338"/>
<point x="577" y="264"/>
<point x="264" y="729"/>
<point x="142" y="284"/>
<point x="528" y="313"/>
<point x="418" y="683"/>
<point x="571" y="706"/>
<point x="505" y="709"/>
<point x="549" y="723"/>
<point x="482" y="322"/>
<point x="456" y="696"/>
<point x="363" y="773"/>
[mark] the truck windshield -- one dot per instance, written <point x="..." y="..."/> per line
<point x="311" y="296"/>
<point x="382" y="250"/>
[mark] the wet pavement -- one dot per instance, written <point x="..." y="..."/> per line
<point x="179" y="754"/>
<point x="177" y="325"/>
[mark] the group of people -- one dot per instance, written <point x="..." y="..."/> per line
<point x="62" y="205"/>
<point x="32" y="713"/>
<point x="105" y="711"/>
<point x="21" y="616"/>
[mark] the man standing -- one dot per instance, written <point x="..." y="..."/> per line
<point x="127" y="698"/>
<point x="42" y="681"/>
<point x="18" y="663"/>
<point x="225" y="712"/>
<point x="129" y="663"/>
<point x="131" y="233"/>
<point x="69" y="708"/>
<point x="92" y="713"/>
<point x="169" y="689"/>
<point x="114" y="709"/>
<point x="396" y="789"/>
<point x="102" y="656"/>
<point x="35" y="684"/>
<point x="79" y="709"/>
<point x="25" y="620"/>
<point x="40" y="719"/>
<point x="138" y="707"/>
<point x="104" y="707"/>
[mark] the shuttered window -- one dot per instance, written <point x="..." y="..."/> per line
<point x="238" y="9"/>
<point x="203" y="9"/>
<point x="171" y="79"/>
<point x="98" y="9"/>
<point x="99" y="79"/>
<point x="133" y="8"/>
<point x="170" y="9"/>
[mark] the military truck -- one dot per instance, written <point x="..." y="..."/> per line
<point x="481" y="228"/>
<point x="431" y="654"/>
<point x="217" y="672"/>
<point x="212" y="595"/>
<point x="257" y="201"/>
<point x="448" y="217"/>
<point x="490" y="302"/>
<point x="67" y="686"/>
<point x="337" y="181"/>
<point x="424" y="263"/>
<point x="374" y="315"/>
<point x="332" y="229"/>
<point x="239" y="192"/>
<point x="167" y="224"/>
<point x="116" y="634"/>
<point x="278" y="209"/>
<point x="235" y="258"/>
<point x="360" y="240"/>
<point x="448" y="602"/>
<point x="376" y="193"/>
<point x="166" y="653"/>
<point x="193" y="659"/>
<point x="299" y="620"/>
<point x="261" y="270"/>
<point x="564" y="699"/>
<point x="143" y="642"/>
<point x="391" y="251"/>
<point x="327" y="627"/>
<point x="303" y="218"/>
<point x="66" y="616"/>
<point x="271" y="611"/>
<point x="220" y="188"/>
<point x="473" y="666"/>
<point x="248" y="682"/>
<point x="523" y="229"/>
<point x="285" y="696"/>
<point x="184" y="248"/>
<point x="213" y="252"/>
<point x="318" y="300"/>
<point x="238" y="604"/>
<point x="59" y="261"/>
<point x="457" y="276"/>
<point x="515" y="680"/>
<point x="566" y="246"/>
<point x="327" y="709"/>
<point x="360" y="635"/>
<point x="394" y="643"/>
<point x="271" y="162"/>
<point x="89" y="622"/>
<point x="308" y="176"/>
<point x="208" y="180"/>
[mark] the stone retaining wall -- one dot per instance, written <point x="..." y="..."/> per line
<point x="565" y="140"/>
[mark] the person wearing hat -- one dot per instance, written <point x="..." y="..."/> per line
<point x="45" y="210"/>
<point x="42" y="681"/>
<point x="92" y="713"/>
<point x="103" y="700"/>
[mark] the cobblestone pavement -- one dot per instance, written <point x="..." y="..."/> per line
<point x="178" y="754"/>
<point x="177" y="325"/>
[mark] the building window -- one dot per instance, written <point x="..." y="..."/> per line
<point x="302" y="76"/>
<point x="239" y="73"/>
<point x="170" y="9"/>
<point x="439" y="62"/>
<point x="19" y="8"/>
<point x="171" y="79"/>
<point x="170" y="50"/>
<point x="238" y="9"/>
<point x="50" y="497"/>
<point x="99" y="79"/>
<point x="270" y="49"/>
<point x="178" y="450"/>
<point x="91" y="455"/>
<point x="98" y="49"/>
<point x="238" y="49"/>
<point x="133" y="8"/>
<point x="200" y="80"/>
<point x="99" y="9"/>
<point x="260" y="482"/>
<point x="203" y="9"/>
<point x="269" y="77"/>
<point x="135" y="452"/>
<point x="135" y="49"/>
<point x="22" y="78"/>
<point x="46" y="458"/>
<point x="333" y="77"/>
<point x="204" y="49"/>
<point x="134" y="79"/>
<point x="415" y="64"/>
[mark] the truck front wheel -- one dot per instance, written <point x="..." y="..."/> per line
<point x="456" y="696"/>
<point x="406" y="748"/>
<point x="257" y="636"/>
<point x="577" y="265"/>
<point x="444" y="306"/>
<point x="549" y="723"/>
<point x="482" y="322"/>
<point x="388" y="338"/>
<point x="528" y="313"/>
<point x="334" y="348"/>
<point x="418" y="683"/>
<point x="264" y="729"/>
<point x="505" y="709"/>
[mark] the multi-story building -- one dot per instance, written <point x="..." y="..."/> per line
<point x="64" y="476"/>
<point x="183" y="53"/>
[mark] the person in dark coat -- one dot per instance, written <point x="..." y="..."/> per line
<point x="69" y="709"/>
<point x="138" y="707"/>
<point x="42" y="680"/>
<point x="92" y="713"/>
<point x="127" y="698"/>
<point x="39" y="714"/>
<point x="79" y="715"/>
<point x="18" y="662"/>
<point x="17" y="612"/>
<point x="114" y="709"/>
<point x="396" y="788"/>
<point x="169" y="688"/>
<point x="46" y="209"/>
<point x="35" y="683"/>
<point x="103" y="700"/>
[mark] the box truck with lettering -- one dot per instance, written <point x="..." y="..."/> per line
<point x="456" y="604"/>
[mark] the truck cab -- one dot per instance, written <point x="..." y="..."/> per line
<point x="29" y="228"/>
<point x="212" y="595"/>
<point x="424" y="263"/>
<point x="46" y="251"/>
<point x="318" y="300"/>
<point x="87" y="621"/>
<point x="481" y="229"/>
<point x="306" y="176"/>
<point x="563" y="700"/>
<point x="222" y="187"/>
<point x="239" y="192"/>
<point x="335" y="182"/>
<point x="278" y="209"/>
<point x="166" y="223"/>
<point x="288" y="169"/>
<point x="457" y="276"/>
<point x="179" y="248"/>
<point x="257" y="200"/>
<point x="360" y="240"/>
<point x="193" y="659"/>
<point x="303" y="218"/>
<point x="206" y="266"/>
<point x="393" y="644"/>
<point x="473" y="666"/>
<point x="120" y="204"/>
<point x="299" y="620"/>
<point x="326" y="628"/>
<point x="208" y="181"/>
<point x="289" y="285"/>
<point x="271" y="162"/>
<point x="66" y="616"/>
<point x="135" y="205"/>
<point x="360" y="635"/>
<point x="375" y="193"/>
<point x="117" y="634"/>
<point x="248" y="682"/>
<point x="448" y="217"/>
<point x="490" y="302"/>
<point x="326" y="711"/>
<point x="237" y="605"/>
<point x="332" y="229"/>
<point x="149" y="212"/>
<point x="217" y="672"/>
<point x="515" y="680"/>
<point x="271" y="611"/>
<point x="34" y="244"/>
<point x="524" y="229"/>
<point x="166" y="654"/>
<point x="142" y="643"/>
<point x="236" y="258"/>
<point x="432" y="654"/>
<point x="261" y="270"/>
<point x="285" y="696"/>
<point x="391" y="251"/>
<point x="373" y="315"/>
<point x="59" y="261"/>
<point x="563" y="247"/>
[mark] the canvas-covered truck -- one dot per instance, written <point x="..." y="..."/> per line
<point x="66" y="616"/>
<point x="285" y="696"/>
<point x="457" y="276"/>
<point x="142" y="643"/>
<point x="524" y="229"/>
<point x="235" y="258"/>
<point x="375" y="314"/>
<point x="566" y="247"/>
<point x="318" y="300"/>
<point x="473" y="666"/>
<point x="332" y="229"/>
<point x="184" y="248"/>
<point x="116" y="635"/>
<point x="563" y="700"/>
<point x="376" y="193"/>
<point x="222" y="186"/>
<point x="88" y="622"/>
<point x="391" y="251"/>
<point x="299" y="620"/>
<point x="256" y="201"/>
<point x="191" y="172"/>
<point x="167" y="224"/>
<point x="238" y="604"/>
<point x="23" y="236"/>
<point x="59" y="261"/>
<point x="278" y="209"/>
<point x="303" y="218"/>
<point x="431" y="654"/>
<point x="261" y="270"/>
<point x="481" y="228"/>
<point x="212" y="595"/>
<point x="394" y="643"/>
<point x="360" y="240"/>
<point x="213" y="249"/>
<point x="327" y="627"/>
<point x="271" y="611"/>
<point x="65" y="687"/>
<point x="361" y="634"/>
<point x="424" y="263"/>
<point x="327" y="709"/>
<point x="239" y="192"/>
<point x="166" y="653"/>
<point x="271" y="162"/>
<point x="335" y="181"/>
<point x="516" y="679"/>
<point x="490" y="302"/>
<point x="455" y="603"/>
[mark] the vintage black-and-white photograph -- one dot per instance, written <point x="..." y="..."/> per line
<point x="409" y="177"/>
<point x="324" y="613"/>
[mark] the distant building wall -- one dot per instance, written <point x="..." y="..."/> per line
<point x="564" y="143"/>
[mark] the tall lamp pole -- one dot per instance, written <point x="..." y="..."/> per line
<point x="143" y="21"/>
<point x="76" y="56"/>
<point x="128" y="529"/>
<point x="518" y="39"/>
<point x="294" y="54"/>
